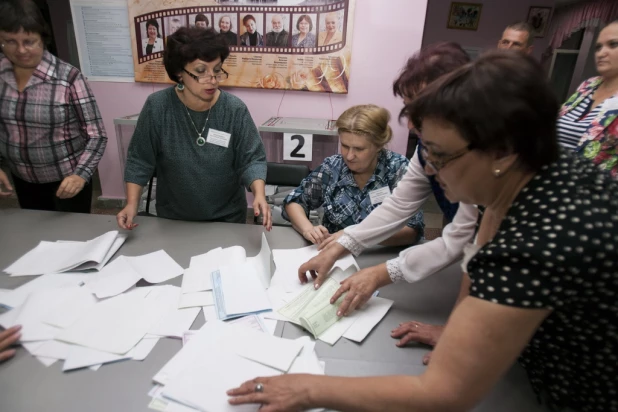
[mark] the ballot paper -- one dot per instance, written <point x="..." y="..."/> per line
<point x="30" y="315"/>
<point x="312" y="309"/>
<point x="287" y="262"/>
<point x="116" y="325"/>
<point x="369" y="315"/>
<point x="197" y="278"/>
<point x="55" y="257"/>
<point x="198" y="387"/>
<point x="124" y="272"/>
<point x="238" y="291"/>
<point x="18" y="296"/>
<point x="68" y="311"/>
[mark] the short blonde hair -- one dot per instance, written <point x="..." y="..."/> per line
<point x="367" y="120"/>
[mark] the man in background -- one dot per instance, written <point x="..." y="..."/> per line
<point x="517" y="36"/>
<point x="278" y="37"/>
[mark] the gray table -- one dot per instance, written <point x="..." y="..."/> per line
<point x="25" y="385"/>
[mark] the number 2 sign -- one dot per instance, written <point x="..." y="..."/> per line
<point x="297" y="147"/>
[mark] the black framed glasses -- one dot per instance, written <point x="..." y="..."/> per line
<point x="437" y="164"/>
<point x="207" y="78"/>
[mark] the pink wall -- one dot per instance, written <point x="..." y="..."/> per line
<point x="495" y="16"/>
<point x="376" y="61"/>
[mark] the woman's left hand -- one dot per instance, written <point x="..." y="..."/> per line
<point x="279" y="393"/>
<point x="261" y="207"/>
<point x="70" y="186"/>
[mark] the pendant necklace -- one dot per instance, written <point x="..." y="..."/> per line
<point x="200" y="141"/>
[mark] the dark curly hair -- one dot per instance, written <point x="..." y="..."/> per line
<point x="188" y="44"/>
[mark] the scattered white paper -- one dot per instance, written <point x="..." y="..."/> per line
<point x="175" y="322"/>
<point x="156" y="267"/>
<point x="261" y="263"/>
<point x="115" y="278"/>
<point x="31" y="313"/>
<point x="116" y="325"/>
<point x="287" y="262"/>
<point x="47" y="362"/>
<point x="196" y="299"/>
<point x="242" y="290"/>
<point x="210" y="313"/>
<point x="199" y="388"/>
<point x="251" y="321"/>
<point x="142" y="349"/>
<point x="95" y="368"/>
<point x="67" y="312"/>
<point x="18" y="296"/>
<point x="82" y="357"/>
<point x="369" y="316"/>
<point x="53" y="349"/>
<point x="197" y="277"/>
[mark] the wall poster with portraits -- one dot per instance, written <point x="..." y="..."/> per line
<point x="274" y="44"/>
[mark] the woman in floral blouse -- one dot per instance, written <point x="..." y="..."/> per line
<point x="352" y="184"/>
<point x="588" y="121"/>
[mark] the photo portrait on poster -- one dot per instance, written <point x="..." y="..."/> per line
<point x="251" y="32"/>
<point x="200" y="20"/>
<point x="227" y="25"/>
<point x="173" y="23"/>
<point x="538" y="17"/>
<point x="152" y="40"/>
<point x="304" y="30"/>
<point x="331" y="28"/>
<point x="277" y="30"/>
<point x="464" y="16"/>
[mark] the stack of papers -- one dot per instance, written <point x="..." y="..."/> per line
<point x="62" y="256"/>
<point x="238" y="352"/>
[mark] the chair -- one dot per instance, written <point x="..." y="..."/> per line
<point x="285" y="176"/>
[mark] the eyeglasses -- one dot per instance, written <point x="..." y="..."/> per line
<point x="207" y="78"/>
<point x="12" y="45"/>
<point x="435" y="165"/>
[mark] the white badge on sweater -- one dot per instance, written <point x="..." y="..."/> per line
<point x="610" y="104"/>
<point x="218" y="137"/>
<point x="377" y="196"/>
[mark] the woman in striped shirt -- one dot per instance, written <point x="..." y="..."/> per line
<point x="588" y="121"/>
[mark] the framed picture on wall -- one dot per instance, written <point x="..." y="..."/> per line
<point x="464" y="16"/>
<point x="538" y="17"/>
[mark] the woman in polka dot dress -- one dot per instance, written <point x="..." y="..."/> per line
<point x="543" y="272"/>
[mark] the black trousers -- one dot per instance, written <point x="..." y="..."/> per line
<point x="42" y="196"/>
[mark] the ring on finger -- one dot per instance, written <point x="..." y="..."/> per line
<point x="259" y="387"/>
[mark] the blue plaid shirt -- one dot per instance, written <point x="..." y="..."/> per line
<point x="332" y="186"/>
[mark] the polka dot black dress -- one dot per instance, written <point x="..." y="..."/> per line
<point x="557" y="249"/>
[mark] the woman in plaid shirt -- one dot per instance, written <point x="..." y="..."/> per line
<point x="51" y="132"/>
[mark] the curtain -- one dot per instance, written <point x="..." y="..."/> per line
<point x="570" y="19"/>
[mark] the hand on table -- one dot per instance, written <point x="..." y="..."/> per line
<point x="279" y="393"/>
<point x="70" y="186"/>
<point x="125" y="217"/>
<point x="8" y="338"/>
<point x="418" y="332"/>
<point x="328" y="242"/>
<point x="316" y="235"/>
<point x="5" y="185"/>
<point x="359" y="287"/>
<point x="261" y="207"/>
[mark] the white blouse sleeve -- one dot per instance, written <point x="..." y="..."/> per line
<point x="420" y="261"/>
<point x="393" y="214"/>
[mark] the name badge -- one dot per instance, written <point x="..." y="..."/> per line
<point x="377" y="196"/>
<point x="611" y="104"/>
<point x="218" y="137"/>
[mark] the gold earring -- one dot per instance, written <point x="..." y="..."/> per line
<point x="497" y="172"/>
